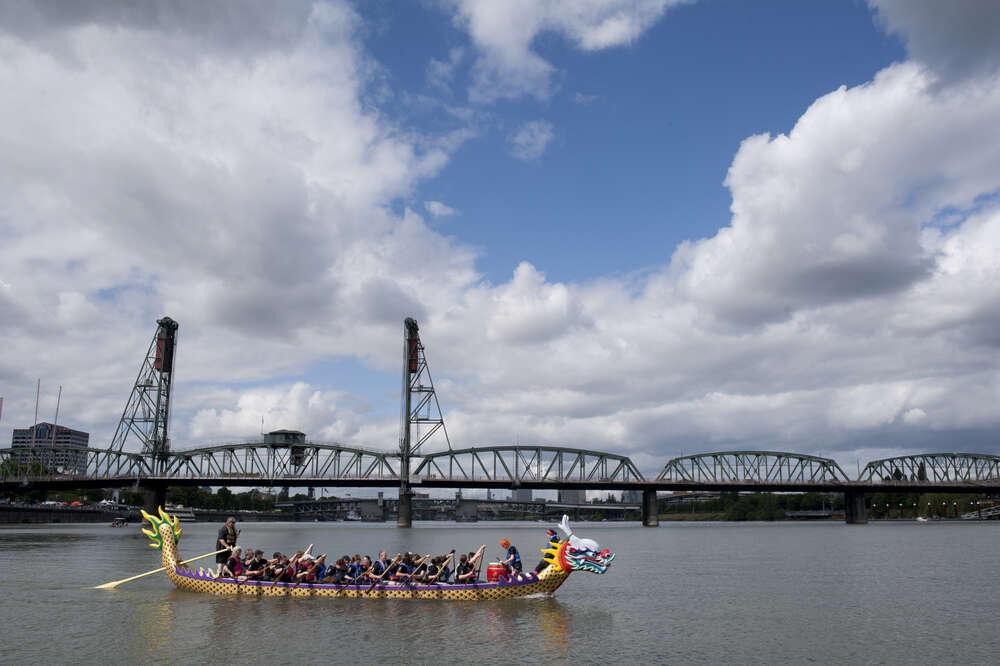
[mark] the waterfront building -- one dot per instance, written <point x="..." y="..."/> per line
<point x="57" y="448"/>
<point x="520" y="495"/>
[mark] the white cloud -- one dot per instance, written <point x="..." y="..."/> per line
<point x="584" y="99"/>
<point x="438" y="209"/>
<point x="503" y="33"/>
<point x="529" y="141"/>
<point x="834" y="210"/>
<point x="213" y="180"/>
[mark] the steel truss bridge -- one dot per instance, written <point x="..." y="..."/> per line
<point x="299" y="463"/>
<point x="265" y="464"/>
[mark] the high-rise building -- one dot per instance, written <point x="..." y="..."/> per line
<point x="573" y="496"/>
<point x="520" y="495"/>
<point x="58" y="449"/>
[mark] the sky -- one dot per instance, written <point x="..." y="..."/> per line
<point x="647" y="227"/>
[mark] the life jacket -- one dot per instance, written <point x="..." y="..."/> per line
<point x="517" y="556"/>
<point x="237" y="566"/>
<point x="230" y="535"/>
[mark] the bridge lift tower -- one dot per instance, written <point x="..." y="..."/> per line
<point x="420" y="408"/>
<point x="148" y="408"/>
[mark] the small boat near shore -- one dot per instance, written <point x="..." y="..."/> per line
<point x="563" y="558"/>
<point x="182" y="513"/>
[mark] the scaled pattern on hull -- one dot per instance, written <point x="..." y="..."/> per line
<point x="545" y="583"/>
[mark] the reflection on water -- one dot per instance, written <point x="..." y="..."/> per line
<point x="156" y="625"/>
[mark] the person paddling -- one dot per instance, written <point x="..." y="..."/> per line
<point x="233" y="568"/>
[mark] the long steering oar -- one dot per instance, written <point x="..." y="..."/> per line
<point x="114" y="584"/>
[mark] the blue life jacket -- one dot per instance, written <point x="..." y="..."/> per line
<point x="517" y="556"/>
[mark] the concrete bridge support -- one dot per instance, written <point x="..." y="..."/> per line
<point x="153" y="497"/>
<point x="855" y="512"/>
<point x="650" y="510"/>
<point x="404" y="516"/>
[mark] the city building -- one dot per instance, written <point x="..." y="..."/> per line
<point x="58" y="449"/>
<point x="520" y="495"/>
<point x="631" y="497"/>
<point x="573" y="496"/>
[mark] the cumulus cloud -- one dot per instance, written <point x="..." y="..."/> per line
<point x="836" y="209"/>
<point x="506" y="66"/>
<point x="956" y="39"/>
<point x="181" y="159"/>
<point x="528" y="142"/>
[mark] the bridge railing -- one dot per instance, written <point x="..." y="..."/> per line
<point x="752" y="466"/>
<point x="934" y="467"/>
<point x="516" y="464"/>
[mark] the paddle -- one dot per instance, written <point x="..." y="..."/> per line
<point x="442" y="567"/>
<point x="384" y="572"/>
<point x="284" y="571"/>
<point x="478" y="557"/>
<point x="308" y="572"/>
<point x="416" y="568"/>
<point x="354" y="580"/>
<point x="114" y="584"/>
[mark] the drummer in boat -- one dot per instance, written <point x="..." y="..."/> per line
<point x="513" y="559"/>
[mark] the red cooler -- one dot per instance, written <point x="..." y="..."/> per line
<point x="494" y="570"/>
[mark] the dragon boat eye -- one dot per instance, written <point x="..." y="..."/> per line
<point x="605" y="553"/>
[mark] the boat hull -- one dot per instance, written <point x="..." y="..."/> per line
<point x="528" y="585"/>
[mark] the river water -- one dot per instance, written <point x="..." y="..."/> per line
<point x="684" y="593"/>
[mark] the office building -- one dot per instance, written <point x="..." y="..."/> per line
<point x="60" y="450"/>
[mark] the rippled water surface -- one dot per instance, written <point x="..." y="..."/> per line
<point x="709" y="593"/>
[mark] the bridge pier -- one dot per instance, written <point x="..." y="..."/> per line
<point x="153" y="497"/>
<point x="855" y="512"/>
<point x="650" y="510"/>
<point x="404" y="516"/>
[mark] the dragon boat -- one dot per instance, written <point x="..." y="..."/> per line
<point x="563" y="558"/>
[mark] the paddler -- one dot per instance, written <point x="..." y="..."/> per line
<point x="226" y="539"/>
<point x="381" y="564"/>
